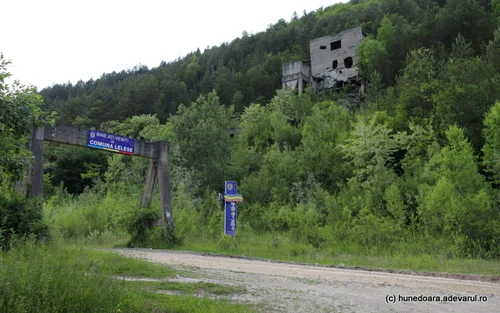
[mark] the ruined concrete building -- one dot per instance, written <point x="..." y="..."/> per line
<point x="332" y="66"/>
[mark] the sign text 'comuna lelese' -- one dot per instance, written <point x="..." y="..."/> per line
<point x="109" y="142"/>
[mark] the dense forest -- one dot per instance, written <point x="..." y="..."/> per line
<point x="416" y="166"/>
<point x="248" y="70"/>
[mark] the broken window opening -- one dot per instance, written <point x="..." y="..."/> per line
<point x="335" y="64"/>
<point x="322" y="47"/>
<point x="348" y="62"/>
<point x="335" y="45"/>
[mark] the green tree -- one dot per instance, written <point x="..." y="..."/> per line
<point x="371" y="150"/>
<point x="140" y="94"/>
<point x="398" y="37"/>
<point x="469" y="18"/>
<point x="20" y="112"/>
<point x="261" y="128"/>
<point x="417" y="86"/>
<point x="493" y="50"/>
<point x="225" y="85"/>
<point x="373" y="57"/>
<point x="461" y="48"/>
<point x="273" y="182"/>
<point x="102" y="104"/>
<point x="455" y="201"/>
<point x="201" y="131"/>
<point x="132" y="126"/>
<point x="491" y="148"/>
<point x="70" y="166"/>
<point x="371" y="145"/>
<point x="468" y="88"/>
<point x="322" y="135"/>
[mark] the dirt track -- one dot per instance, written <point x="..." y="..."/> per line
<point x="283" y="287"/>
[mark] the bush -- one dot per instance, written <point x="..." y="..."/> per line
<point x="138" y="223"/>
<point x="227" y="242"/>
<point x="20" y="217"/>
<point x="93" y="214"/>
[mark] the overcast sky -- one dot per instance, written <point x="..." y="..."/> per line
<point x="56" y="41"/>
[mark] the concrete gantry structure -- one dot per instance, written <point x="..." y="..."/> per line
<point x="333" y="62"/>
<point x="156" y="152"/>
<point x="295" y="74"/>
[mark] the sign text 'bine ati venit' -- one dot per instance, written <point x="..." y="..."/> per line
<point x="109" y="142"/>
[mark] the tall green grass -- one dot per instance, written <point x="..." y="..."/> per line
<point x="96" y="216"/>
<point x="55" y="279"/>
<point x="405" y="255"/>
<point x="43" y="279"/>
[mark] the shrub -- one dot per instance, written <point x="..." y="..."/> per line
<point x="138" y="222"/>
<point x="20" y="217"/>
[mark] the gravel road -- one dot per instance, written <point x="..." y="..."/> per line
<point x="283" y="287"/>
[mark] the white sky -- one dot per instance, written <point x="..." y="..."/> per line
<point x="56" y="41"/>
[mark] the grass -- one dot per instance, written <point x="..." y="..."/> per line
<point x="281" y="248"/>
<point x="201" y="287"/>
<point x="189" y="288"/>
<point x="54" y="278"/>
<point x="180" y="304"/>
<point x="110" y="263"/>
<point x="45" y="279"/>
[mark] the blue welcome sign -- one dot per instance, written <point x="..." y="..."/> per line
<point x="109" y="142"/>
<point x="231" y="197"/>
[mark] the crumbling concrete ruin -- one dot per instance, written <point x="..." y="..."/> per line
<point x="332" y="66"/>
<point x="296" y="75"/>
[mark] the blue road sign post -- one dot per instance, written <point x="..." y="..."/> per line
<point x="231" y="197"/>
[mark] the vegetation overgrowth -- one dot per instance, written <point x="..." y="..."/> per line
<point x="409" y="180"/>
<point x="427" y="209"/>
<point x="59" y="278"/>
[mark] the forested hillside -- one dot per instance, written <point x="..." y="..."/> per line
<point x="415" y="170"/>
<point x="248" y="69"/>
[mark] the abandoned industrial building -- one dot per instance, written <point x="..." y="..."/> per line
<point x="332" y="65"/>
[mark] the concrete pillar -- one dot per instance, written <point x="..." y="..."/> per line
<point x="149" y="185"/>
<point x="164" y="185"/>
<point x="21" y="186"/>
<point x="37" y="147"/>
<point x="301" y="86"/>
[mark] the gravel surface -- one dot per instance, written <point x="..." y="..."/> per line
<point x="289" y="287"/>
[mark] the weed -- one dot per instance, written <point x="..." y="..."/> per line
<point x="62" y="279"/>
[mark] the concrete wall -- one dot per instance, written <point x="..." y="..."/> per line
<point x="295" y="74"/>
<point x="322" y="56"/>
<point x="295" y="68"/>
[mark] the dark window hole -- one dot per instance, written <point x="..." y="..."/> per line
<point x="335" y="45"/>
<point x="348" y="62"/>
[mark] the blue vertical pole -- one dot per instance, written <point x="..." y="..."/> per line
<point x="230" y="211"/>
